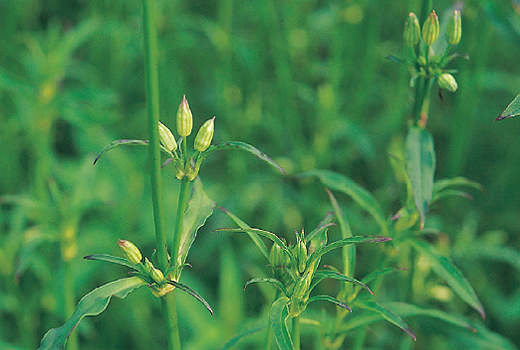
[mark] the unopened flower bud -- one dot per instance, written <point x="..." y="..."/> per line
<point x="412" y="30"/>
<point x="430" y="29"/>
<point x="454" y="28"/>
<point x="205" y="135"/>
<point x="301" y="255"/>
<point x="167" y="138"/>
<point x="184" y="118"/>
<point x="447" y="81"/>
<point x="131" y="252"/>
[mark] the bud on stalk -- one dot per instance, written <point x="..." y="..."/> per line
<point x="412" y="30"/>
<point x="131" y="252"/>
<point x="430" y="29"/>
<point x="205" y="135"/>
<point x="454" y="29"/>
<point x="167" y="138"/>
<point x="447" y="81"/>
<point x="184" y="118"/>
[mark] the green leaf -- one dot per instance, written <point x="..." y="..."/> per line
<point x="512" y="110"/>
<point x="318" y="235"/>
<point x="233" y="342"/>
<point x="407" y="310"/>
<point x="200" y="208"/>
<point x="244" y="147"/>
<point x="91" y="304"/>
<point x="268" y="280"/>
<point x="118" y="143"/>
<point x="256" y="239"/>
<point x="386" y="314"/>
<point x="450" y="273"/>
<point x="349" y="252"/>
<point x="440" y="185"/>
<point x="420" y="159"/>
<point x="361" y="196"/>
<point x="330" y="299"/>
<point x="191" y="292"/>
<point x="278" y="316"/>
<point x="375" y="275"/>
<point x="343" y="242"/>
<point x="323" y="274"/>
<point x="111" y="259"/>
<point x="266" y="234"/>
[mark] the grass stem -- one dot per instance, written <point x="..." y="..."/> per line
<point x="152" y="104"/>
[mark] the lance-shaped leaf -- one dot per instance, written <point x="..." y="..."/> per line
<point x="191" y="292"/>
<point x="386" y="314"/>
<point x="111" y="259"/>
<point x="361" y="196"/>
<point x="200" y="208"/>
<point x="256" y="239"/>
<point x="323" y="274"/>
<point x="318" y="237"/>
<point x="407" y="310"/>
<point x="241" y="146"/>
<point x="512" y="110"/>
<point x="420" y="159"/>
<point x="268" y="280"/>
<point x="343" y="242"/>
<point x="269" y="235"/>
<point x="450" y="273"/>
<point x="118" y="143"/>
<point x="278" y="317"/>
<point x="330" y="299"/>
<point x="91" y="304"/>
<point x="233" y="342"/>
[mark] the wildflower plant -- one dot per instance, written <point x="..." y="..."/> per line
<point x="161" y="273"/>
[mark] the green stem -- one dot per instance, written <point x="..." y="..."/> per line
<point x="152" y="103"/>
<point x="296" y="332"/>
<point x="179" y="219"/>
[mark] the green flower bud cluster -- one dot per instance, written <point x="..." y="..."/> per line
<point x="425" y="63"/>
<point x="186" y="165"/>
<point x="146" y="270"/>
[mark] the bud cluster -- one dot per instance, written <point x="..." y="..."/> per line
<point x="186" y="166"/>
<point x="426" y="64"/>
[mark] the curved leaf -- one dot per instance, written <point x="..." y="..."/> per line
<point x="450" y="273"/>
<point x="258" y="242"/>
<point x="361" y="196"/>
<point x="191" y="292"/>
<point x="278" y="316"/>
<point x="111" y="259"/>
<point x="343" y="242"/>
<point x="330" y="299"/>
<point x="91" y="304"/>
<point x="200" y="208"/>
<point x="323" y="274"/>
<point x="420" y="160"/>
<point x="387" y="315"/>
<point x="266" y="234"/>
<point x="244" y="147"/>
<point x="406" y="310"/>
<point x="233" y="342"/>
<point x="440" y="185"/>
<point x="268" y="280"/>
<point x="512" y="110"/>
<point x="118" y="143"/>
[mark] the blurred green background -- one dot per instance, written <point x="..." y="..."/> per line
<point x="307" y="83"/>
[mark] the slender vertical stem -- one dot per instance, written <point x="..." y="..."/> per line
<point x="296" y="332"/>
<point x="179" y="219"/>
<point x="152" y="102"/>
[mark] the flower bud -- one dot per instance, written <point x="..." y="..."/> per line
<point x="447" y="81"/>
<point x="301" y="255"/>
<point x="430" y="29"/>
<point x="131" y="252"/>
<point x="454" y="28"/>
<point x="412" y="30"/>
<point x="205" y="135"/>
<point x="184" y="118"/>
<point x="167" y="138"/>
